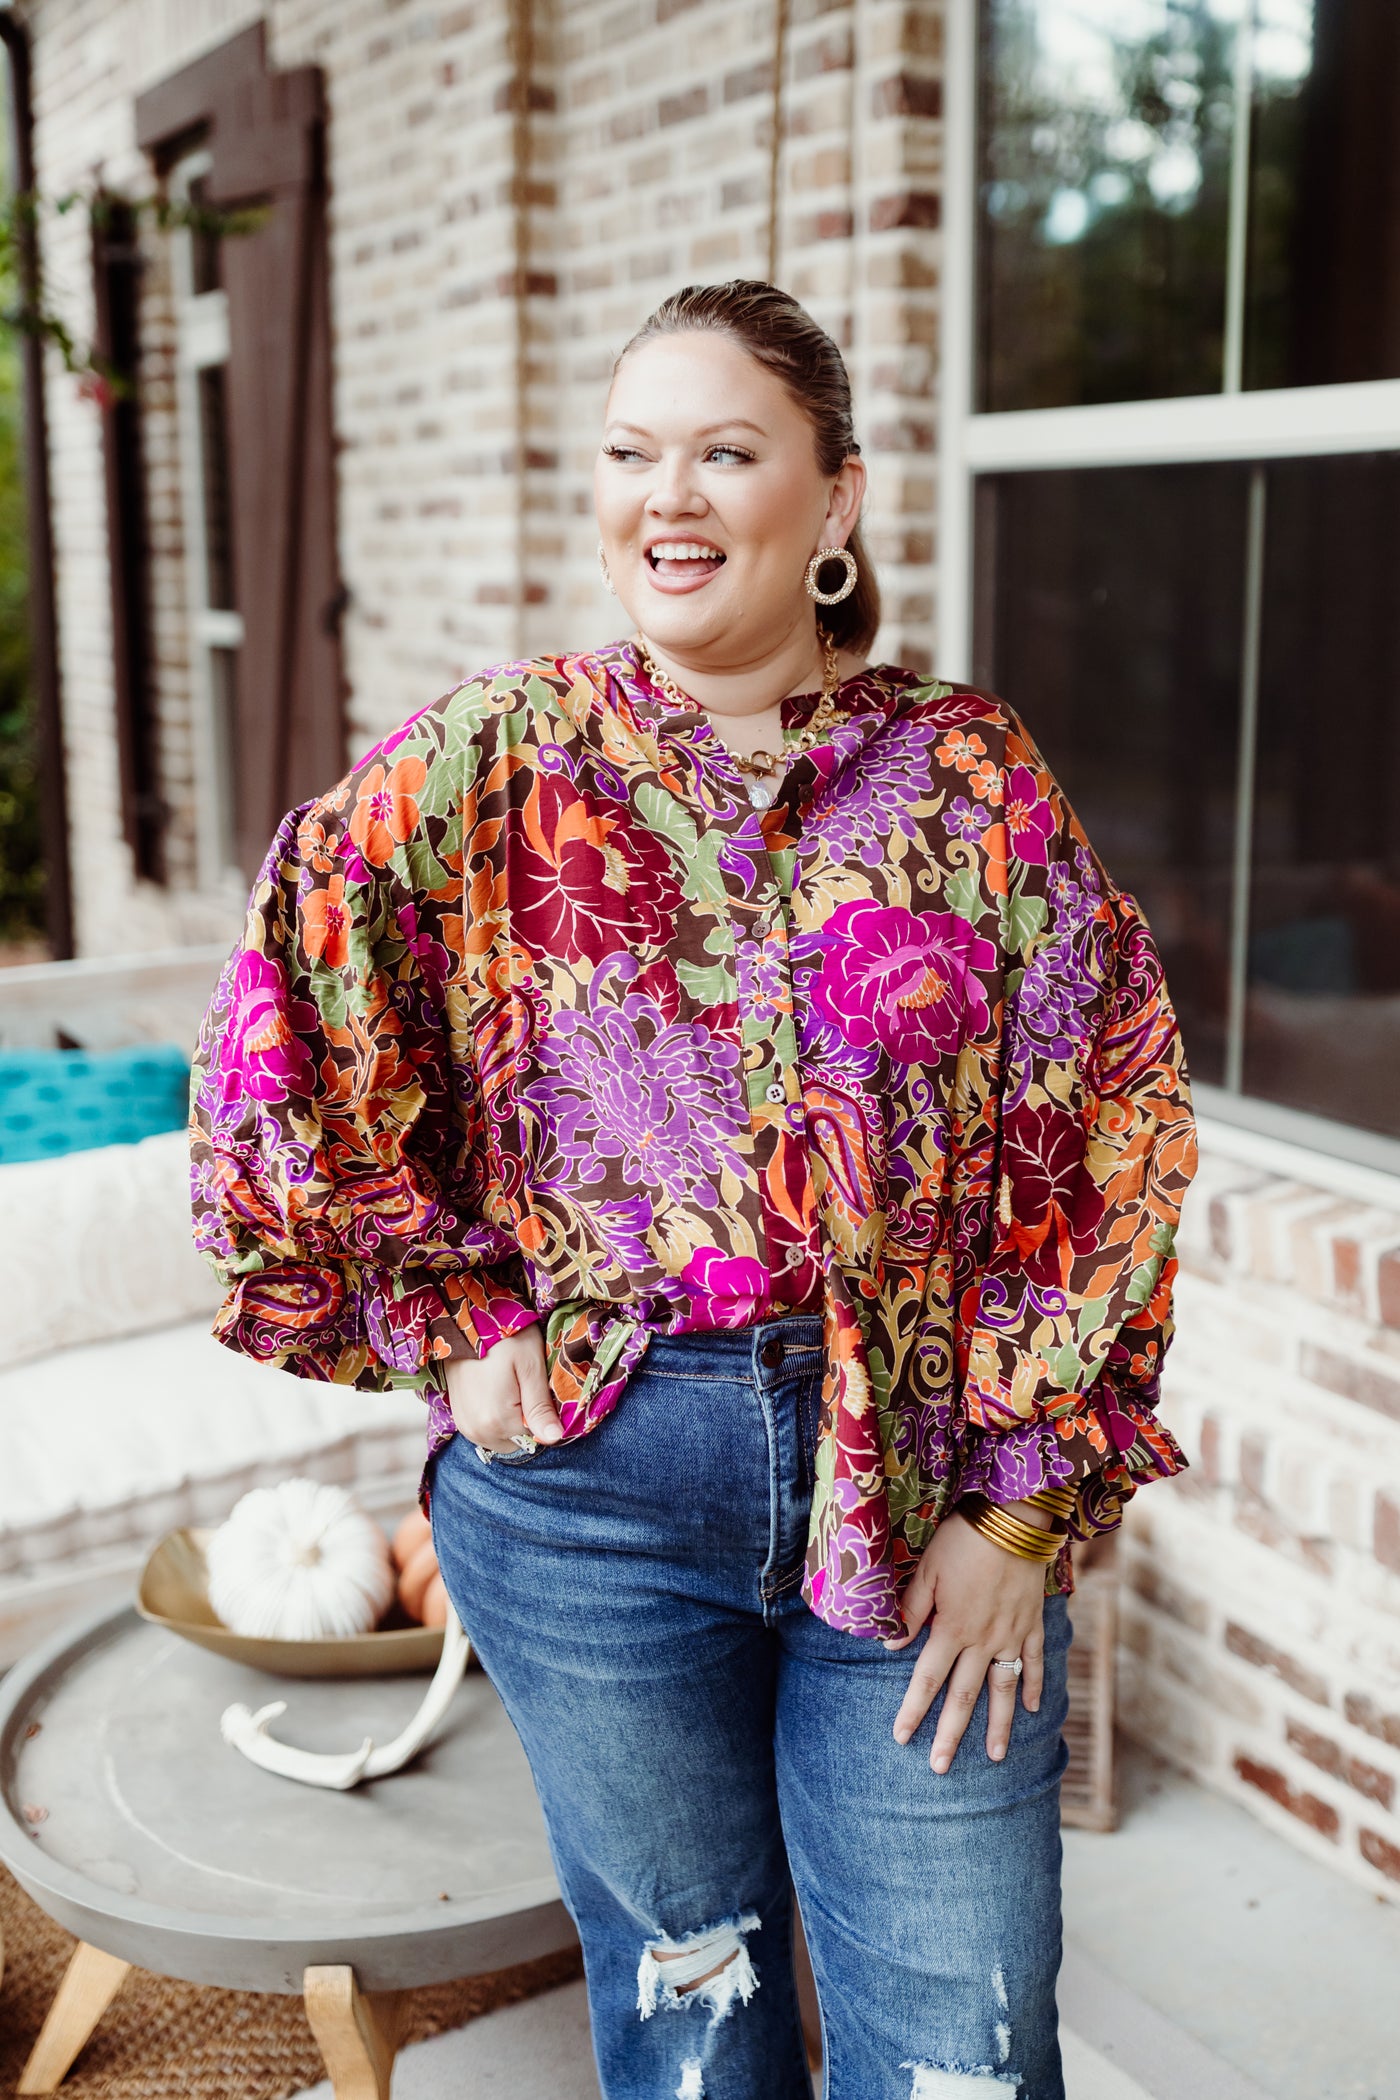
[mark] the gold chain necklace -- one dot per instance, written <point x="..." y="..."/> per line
<point x="762" y="764"/>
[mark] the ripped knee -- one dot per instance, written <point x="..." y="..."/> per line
<point x="711" y="1966"/>
<point x="932" y="2082"/>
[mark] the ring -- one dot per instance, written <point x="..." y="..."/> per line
<point x="1002" y="1662"/>
<point x="525" y="1442"/>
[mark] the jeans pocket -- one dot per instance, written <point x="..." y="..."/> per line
<point x="487" y="1457"/>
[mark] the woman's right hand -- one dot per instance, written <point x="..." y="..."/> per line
<point x="505" y="1394"/>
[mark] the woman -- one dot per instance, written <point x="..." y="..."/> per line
<point x="718" y="1070"/>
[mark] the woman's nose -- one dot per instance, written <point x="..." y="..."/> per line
<point x="673" y="493"/>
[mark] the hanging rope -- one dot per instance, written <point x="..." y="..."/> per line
<point x="775" y="143"/>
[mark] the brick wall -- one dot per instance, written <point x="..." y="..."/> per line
<point x="505" y="210"/>
<point x="1262" y="1605"/>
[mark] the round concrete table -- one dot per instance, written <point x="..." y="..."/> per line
<point x="128" y="1819"/>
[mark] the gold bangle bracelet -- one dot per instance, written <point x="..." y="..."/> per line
<point x="1002" y="1528"/>
<point x="999" y="1513"/>
<point x="1059" y="1501"/>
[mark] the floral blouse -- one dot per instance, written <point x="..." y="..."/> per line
<point x="536" y="1017"/>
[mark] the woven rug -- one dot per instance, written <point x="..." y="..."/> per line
<point x="161" y="2040"/>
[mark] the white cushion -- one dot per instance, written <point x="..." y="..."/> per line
<point x="97" y="1244"/>
<point x="112" y="1444"/>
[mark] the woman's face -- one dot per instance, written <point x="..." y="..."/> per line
<point x="710" y="502"/>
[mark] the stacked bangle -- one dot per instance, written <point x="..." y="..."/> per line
<point x="1004" y="1528"/>
<point x="1058" y="1500"/>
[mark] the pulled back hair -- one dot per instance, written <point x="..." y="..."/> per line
<point x="787" y="342"/>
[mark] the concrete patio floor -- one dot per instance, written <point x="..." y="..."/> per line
<point x="1204" y="1960"/>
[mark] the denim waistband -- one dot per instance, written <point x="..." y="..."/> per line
<point x="738" y="1349"/>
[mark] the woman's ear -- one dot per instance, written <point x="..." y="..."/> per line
<point x="847" y="495"/>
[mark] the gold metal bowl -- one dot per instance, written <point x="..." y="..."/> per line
<point x="174" y="1592"/>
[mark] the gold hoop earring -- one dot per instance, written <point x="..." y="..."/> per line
<point x="603" y="569"/>
<point x="814" y="568"/>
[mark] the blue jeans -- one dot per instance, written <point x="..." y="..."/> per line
<point x="701" y="1742"/>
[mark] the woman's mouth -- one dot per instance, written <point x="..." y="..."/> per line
<point x="682" y="565"/>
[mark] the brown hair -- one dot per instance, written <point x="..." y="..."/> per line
<point x="784" y="338"/>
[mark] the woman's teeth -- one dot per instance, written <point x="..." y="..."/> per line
<point x="682" y="550"/>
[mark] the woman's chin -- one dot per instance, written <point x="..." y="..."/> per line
<point x="674" y="618"/>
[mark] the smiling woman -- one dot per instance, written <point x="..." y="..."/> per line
<point x="718" y="1069"/>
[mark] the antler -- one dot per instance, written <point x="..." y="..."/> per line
<point x="249" y="1732"/>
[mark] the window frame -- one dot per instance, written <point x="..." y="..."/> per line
<point x="201" y="345"/>
<point x="1250" y="427"/>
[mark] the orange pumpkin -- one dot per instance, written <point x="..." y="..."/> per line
<point x="435" y="1603"/>
<point x="415" y="1579"/>
<point x="409" y="1537"/>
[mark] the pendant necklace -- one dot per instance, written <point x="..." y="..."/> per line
<point x="762" y="769"/>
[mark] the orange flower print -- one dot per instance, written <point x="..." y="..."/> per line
<point x="317" y="845"/>
<point x="386" y="812"/>
<point x="960" y="750"/>
<point x="986" y="782"/>
<point x="325" y="924"/>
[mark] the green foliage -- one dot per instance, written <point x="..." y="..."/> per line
<point x="1130" y="302"/>
<point x="30" y="314"/>
<point x="24" y="311"/>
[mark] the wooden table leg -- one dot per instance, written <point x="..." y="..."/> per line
<point x="358" y="2031"/>
<point x="90" y="1983"/>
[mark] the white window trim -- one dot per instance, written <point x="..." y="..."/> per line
<point x="202" y="341"/>
<point x="1276" y="423"/>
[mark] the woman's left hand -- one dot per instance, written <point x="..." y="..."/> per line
<point x="984" y="1602"/>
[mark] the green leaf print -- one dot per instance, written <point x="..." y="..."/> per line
<point x="662" y="813"/>
<point x="710" y="987"/>
<point x="1142" y="1283"/>
<point x="963" y="895"/>
<point x="1025" y="915"/>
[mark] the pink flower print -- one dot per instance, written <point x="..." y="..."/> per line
<point x="1029" y="817"/>
<point x="726" y="1290"/>
<point x="905" y="980"/>
<point x="263" y="1055"/>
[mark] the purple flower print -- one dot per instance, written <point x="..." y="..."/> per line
<point x="625" y="1227"/>
<point x="906" y="980"/>
<point x="967" y="820"/>
<point x="262" y="1051"/>
<point x="726" y="1290"/>
<point x="621" y="1082"/>
<point x="1028" y="817"/>
<point x="1056" y="1006"/>
<point x="867" y="801"/>
<point x="1015" y="1462"/>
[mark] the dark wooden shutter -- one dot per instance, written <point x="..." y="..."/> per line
<point x="116" y="262"/>
<point x="266" y="137"/>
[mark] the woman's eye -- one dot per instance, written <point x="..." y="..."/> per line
<point x="727" y="452"/>
<point x="622" y="452"/>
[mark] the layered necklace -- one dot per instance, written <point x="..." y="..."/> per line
<point x="762" y="769"/>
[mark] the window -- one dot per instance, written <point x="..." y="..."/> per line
<point x="257" y="440"/>
<point x="117" y="268"/>
<point x="216" y="628"/>
<point x="1171" y="466"/>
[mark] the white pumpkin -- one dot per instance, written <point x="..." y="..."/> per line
<point x="299" y="1562"/>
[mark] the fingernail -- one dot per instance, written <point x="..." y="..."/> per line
<point x="1032" y="1706"/>
<point x="941" y="1764"/>
<point x="892" y="1642"/>
<point x="997" y="1754"/>
<point x="901" y="1734"/>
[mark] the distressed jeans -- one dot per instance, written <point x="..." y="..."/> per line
<point x="701" y="1743"/>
